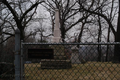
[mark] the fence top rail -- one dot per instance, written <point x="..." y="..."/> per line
<point x="86" y="43"/>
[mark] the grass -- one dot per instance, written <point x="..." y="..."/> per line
<point x="87" y="71"/>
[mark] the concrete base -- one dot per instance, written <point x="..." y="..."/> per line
<point x="59" y="52"/>
<point x="60" y="60"/>
<point x="55" y="64"/>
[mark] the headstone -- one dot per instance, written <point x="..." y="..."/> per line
<point x="60" y="60"/>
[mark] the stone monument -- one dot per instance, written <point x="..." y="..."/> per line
<point x="57" y="38"/>
<point x="58" y="49"/>
<point x="60" y="61"/>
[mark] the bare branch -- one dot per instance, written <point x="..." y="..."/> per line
<point x="12" y="10"/>
<point x="33" y="6"/>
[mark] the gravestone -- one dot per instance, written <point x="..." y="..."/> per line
<point x="60" y="60"/>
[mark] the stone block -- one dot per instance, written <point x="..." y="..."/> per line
<point x="58" y="51"/>
<point x="55" y="64"/>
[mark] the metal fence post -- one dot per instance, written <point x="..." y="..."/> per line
<point x="17" y="54"/>
<point x="22" y="62"/>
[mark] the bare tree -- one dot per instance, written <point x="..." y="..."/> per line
<point x="67" y="10"/>
<point x="21" y="13"/>
<point x="42" y="31"/>
<point x="1" y="30"/>
<point x="106" y="9"/>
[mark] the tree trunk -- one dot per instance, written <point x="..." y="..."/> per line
<point x="117" y="49"/>
<point x="117" y="39"/>
<point x="80" y="34"/>
<point x="22" y="33"/>
<point x="99" y="39"/>
<point x="107" y="57"/>
<point x="62" y="28"/>
<point x="1" y="39"/>
<point x="63" y="36"/>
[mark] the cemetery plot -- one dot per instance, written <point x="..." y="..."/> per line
<point x="62" y="67"/>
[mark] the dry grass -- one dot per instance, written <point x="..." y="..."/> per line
<point x="88" y="71"/>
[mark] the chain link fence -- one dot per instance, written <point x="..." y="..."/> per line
<point x="69" y="61"/>
<point x="7" y="61"/>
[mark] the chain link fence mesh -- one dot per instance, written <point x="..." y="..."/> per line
<point x="84" y="62"/>
<point x="68" y="61"/>
<point x="7" y="62"/>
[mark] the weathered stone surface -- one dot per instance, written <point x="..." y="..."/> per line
<point x="56" y="38"/>
<point x="58" y="51"/>
<point x="55" y="64"/>
<point x="59" y="61"/>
